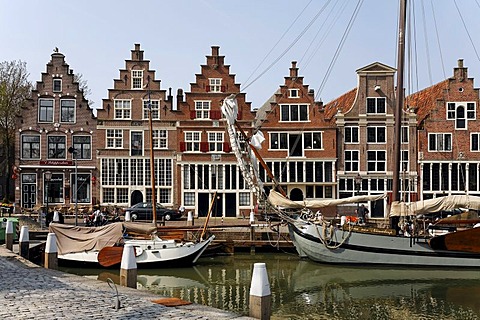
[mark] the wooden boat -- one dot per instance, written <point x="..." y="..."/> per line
<point x="104" y="245"/>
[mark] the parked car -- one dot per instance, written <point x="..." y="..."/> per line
<point x="143" y="211"/>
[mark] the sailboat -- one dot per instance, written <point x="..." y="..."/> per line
<point x="346" y="243"/>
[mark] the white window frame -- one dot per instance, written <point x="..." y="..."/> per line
<point x="377" y="130"/>
<point x="350" y="163"/>
<point x="288" y="114"/>
<point x="374" y="164"/>
<point x="405" y="137"/>
<point x="376" y="107"/>
<point x="58" y="146"/>
<point x="47" y="108"/>
<point x="215" y="84"/>
<point x="192" y="141"/>
<point x="140" y="147"/>
<point x="316" y="144"/>
<point x="62" y="107"/>
<point x="155" y="104"/>
<point x="352" y="130"/>
<point x="293" y="93"/>
<point x="277" y="136"/>
<point x="443" y="142"/>
<point x="160" y="139"/>
<point x="82" y="152"/>
<point x="53" y="84"/>
<point x="202" y="109"/>
<point x="475" y="145"/>
<point x="122" y="109"/>
<point x="114" y="139"/>
<point x="137" y="79"/>
<point x="33" y="156"/>
<point x="215" y="141"/>
<point x="453" y="113"/>
<point x="405" y="163"/>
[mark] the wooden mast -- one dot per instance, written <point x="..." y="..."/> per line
<point x="399" y="101"/>
<point x="152" y="157"/>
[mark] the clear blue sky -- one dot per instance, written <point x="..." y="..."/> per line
<point x="97" y="36"/>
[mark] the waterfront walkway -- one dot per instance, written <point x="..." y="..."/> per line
<point x="28" y="291"/>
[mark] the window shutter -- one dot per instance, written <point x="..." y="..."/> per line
<point x="215" y="114"/>
<point x="222" y="88"/>
<point x="193" y="114"/>
<point x="182" y="146"/>
<point x="413" y="197"/>
<point x="204" y="146"/>
<point x="390" y="197"/>
<point x="239" y="114"/>
<point x="207" y="88"/>
<point x="226" y="147"/>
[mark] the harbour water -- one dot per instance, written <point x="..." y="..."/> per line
<point x="302" y="289"/>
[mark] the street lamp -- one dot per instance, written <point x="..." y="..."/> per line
<point x="358" y="182"/>
<point x="73" y="151"/>
<point x="48" y="177"/>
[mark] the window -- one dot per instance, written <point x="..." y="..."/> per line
<point x="293" y="93"/>
<point x="122" y="109"/>
<point x="215" y="141"/>
<point x="293" y="112"/>
<point x="82" y="188"/>
<point x="215" y="85"/>
<point x="279" y="141"/>
<point x="404" y="160"/>
<point x="376" y="135"/>
<point x="57" y="85"/>
<point x="202" y="109"/>
<point x="136" y="143"/>
<point x="456" y="111"/>
<point x="122" y="195"/>
<point x="114" y="138"/>
<point x="475" y="141"/>
<point x="404" y="134"/>
<point x="351" y="160"/>
<point x="67" y="110"/>
<point x="439" y="142"/>
<point x="83" y="146"/>
<point x="244" y="199"/>
<point x="376" y="105"/>
<point x="376" y="161"/>
<point x="160" y="139"/>
<point x="45" y="110"/>
<point x="351" y="135"/>
<point x="192" y="141"/>
<point x="57" y="147"/>
<point x="108" y="195"/>
<point x="55" y="189"/>
<point x="189" y="198"/>
<point x="312" y="140"/>
<point x="155" y="109"/>
<point x="30" y="147"/>
<point x="137" y="79"/>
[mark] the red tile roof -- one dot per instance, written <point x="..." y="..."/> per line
<point x="342" y="103"/>
<point x="424" y="101"/>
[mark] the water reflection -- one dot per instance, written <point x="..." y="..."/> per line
<point x="307" y="290"/>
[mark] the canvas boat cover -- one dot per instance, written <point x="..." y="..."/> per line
<point x="278" y="200"/>
<point x="447" y="203"/>
<point x="77" y="239"/>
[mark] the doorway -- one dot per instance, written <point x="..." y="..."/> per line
<point x="296" y="194"/>
<point x="137" y="197"/>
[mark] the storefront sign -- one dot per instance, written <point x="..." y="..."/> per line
<point x="56" y="162"/>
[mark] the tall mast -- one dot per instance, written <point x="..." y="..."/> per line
<point x="399" y="100"/>
<point x="152" y="157"/>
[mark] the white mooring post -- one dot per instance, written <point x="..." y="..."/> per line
<point x="127" y="216"/>
<point x="190" y="218"/>
<point x="51" y="252"/>
<point x="128" y="267"/>
<point x="9" y="235"/>
<point x="24" y="242"/>
<point x="260" y="294"/>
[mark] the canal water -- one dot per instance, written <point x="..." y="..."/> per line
<point x="302" y="289"/>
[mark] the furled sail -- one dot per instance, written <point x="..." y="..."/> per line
<point x="446" y="203"/>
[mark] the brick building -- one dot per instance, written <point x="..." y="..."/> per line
<point x="204" y="162"/>
<point x="300" y="145"/>
<point x="56" y="118"/>
<point x="123" y="132"/>
<point x="365" y="123"/>
<point x="448" y="136"/>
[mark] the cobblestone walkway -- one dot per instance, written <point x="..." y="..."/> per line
<point x="28" y="291"/>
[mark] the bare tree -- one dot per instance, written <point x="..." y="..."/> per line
<point x="83" y="85"/>
<point x="14" y="90"/>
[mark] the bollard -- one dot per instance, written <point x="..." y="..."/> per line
<point x="56" y="216"/>
<point x="252" y="232"/>
<point x="24" y="242"/>
<point x="127" y="216"/>
<point x="190" y="218"/>
<point x="9" y="235"/>
<point x="128" y="267"/>
<point x="260" y="294"/>
<point x="51" y="252"/>
<point x="252" y="217"/>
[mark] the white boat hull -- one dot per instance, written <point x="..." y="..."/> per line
<point x="345" y="247"/>
<point x="161" y="253"/>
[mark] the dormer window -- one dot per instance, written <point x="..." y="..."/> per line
<point x="461" y="113"/>
<point x="293" y="93"/>
<point x="137" y="79"/>
<point x="293" y="112"/>
<point x="215" y="85"/>
<point x="57" y="85"/>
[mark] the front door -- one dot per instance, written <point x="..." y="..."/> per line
<point x="203" y="204"/>
<point x="137" y="197"/>
<point x="378" y="209"/>
<point x="29" y="190"/>
<point x="295" y="145"/>
<point x="231" y="205"/>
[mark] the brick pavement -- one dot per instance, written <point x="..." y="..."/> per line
<point x="28" y="291"/>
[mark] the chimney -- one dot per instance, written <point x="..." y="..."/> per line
<point x="170" y="98"/>
<point x="179" y="98"/>
<point x="460" y="63"/>
<point x="137" y="54"/>
<point x="294" y="70"/>
<point x="215" y="51"/>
